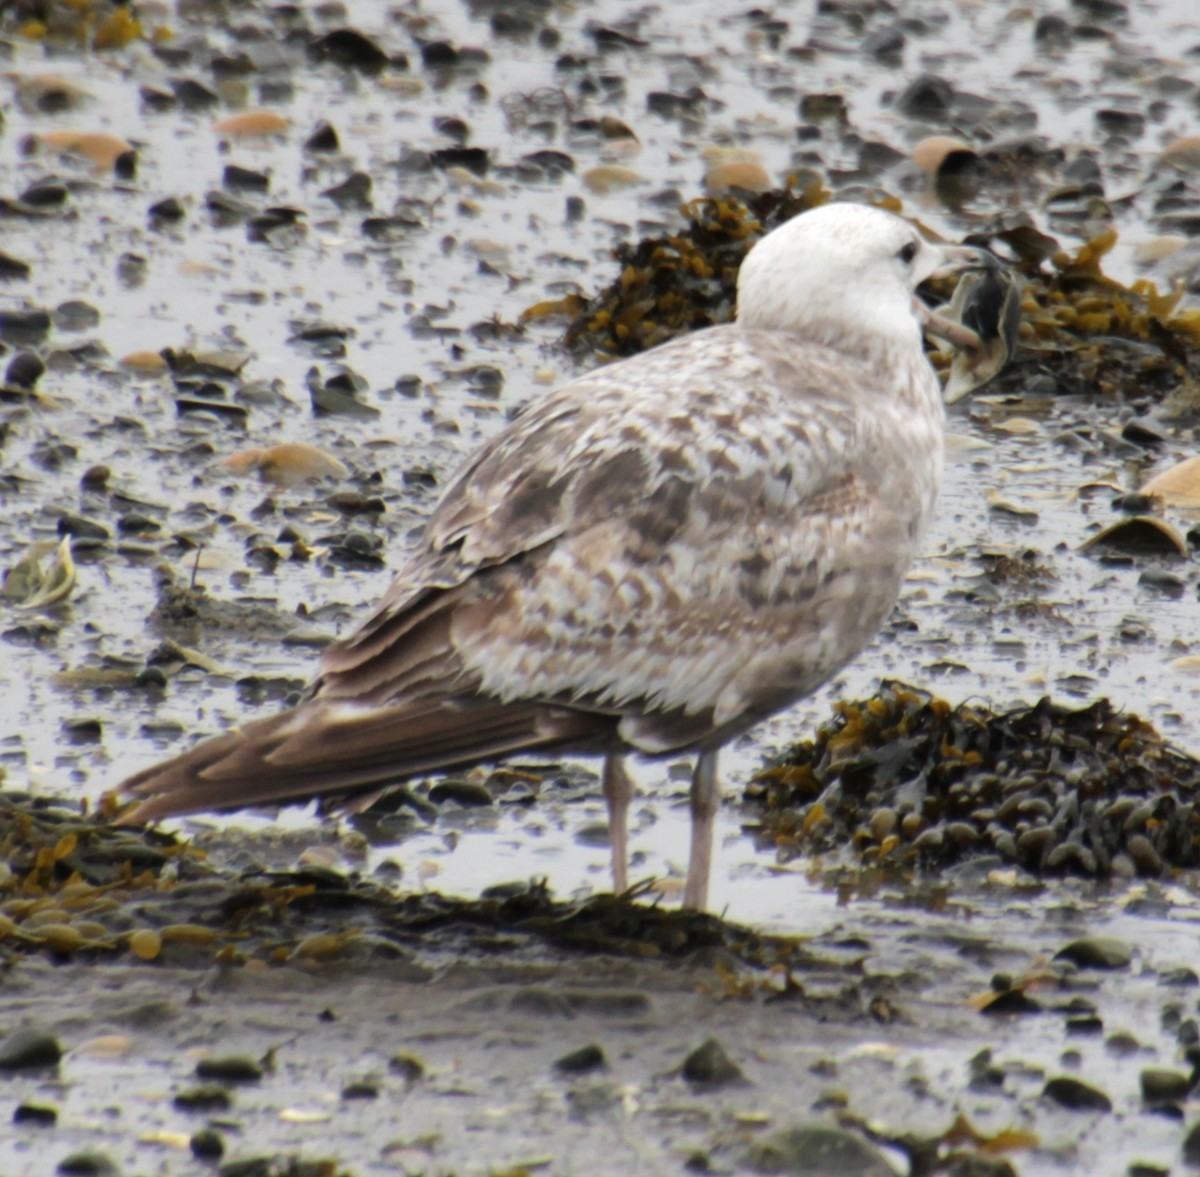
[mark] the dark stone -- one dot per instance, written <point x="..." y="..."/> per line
<point x="208" y="1098"/>
<point x="1121" y="122"/>
<point x="1161" y="1083"/>
<point x="349" y="49"/>
<point x="192" y="95"/>
<point x="1075" y="1095"/>
<point x="439" y="55"/>
<point x="35" y="1113"/>
<point x="87" y="1163"/>
<point x="235" y="1068"/>
<point x="45" y="195"/>
<point x="884" y="45"/>
<point x="709" y="1066"/>
<point x="465" y="793"/>
<point x="86" y="730"/>
<point x="1097" y="952"/>
<point x="12" y="268"/>
<point x="169" y="209"/>
<point x="927" y="97"/>
<point x="353" y="192"/>
<point x="260" y="226"/>
<point x="207" y="1145"/>
<point x="474" y="159"/>
<point x="817" y="1150"/>
<point x="323" y="140"/>
<point x="1191" y="1146"/>
<point x="409" y="1066"/>
<point x="24" y="324"/>
<point x="244" y="179"/>
<point x="581" y="1061"/>
<point x="24" y="370"/>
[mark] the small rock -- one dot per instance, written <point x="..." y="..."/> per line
<point x="709" y="1066"/>
<point x="817" y="1150"/>
<point x="1191" y="1146"/>
<point x="1075" y="1095"/>
<point x="1161" y="1083"/>
<point x="35" y="1113"/>
<point x="410" y="1067"/>
<point x="465" y="793"/>
<point x="203" y="1099"/>
<point x="29" y="1048"/>
<point x="24" y="370"/>
<point x="1097" y="952"/>
<point x="578" y="1062"/>
<point x="87" y="1163"/>
<point x="234" y="1068"/>
<point x="207" y="1145"/>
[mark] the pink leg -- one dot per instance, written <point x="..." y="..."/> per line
<point x="618" y="792"/>
<point x="706" y="800"/>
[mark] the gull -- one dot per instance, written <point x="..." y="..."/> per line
<point x="648" y="561"/>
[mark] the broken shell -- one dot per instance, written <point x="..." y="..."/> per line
<point x="1177" y="487"/>
<point x="1141" y="534"/>
<point x="941" y="155"/>
<point x="608" y="178"/>
<point x="252" y="122"/>
<point x="148" y="362"/>
<point x="1183" y="154"/>
<point x="28" y="587"/>
<point x="101" y="148"/>
<point x="285" y="464"/>
<point x="46" y="93"/>
<point x="737" y="175"/>
<point x="987" y="301"/>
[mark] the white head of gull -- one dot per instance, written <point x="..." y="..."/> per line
<point x="649" y="560"/>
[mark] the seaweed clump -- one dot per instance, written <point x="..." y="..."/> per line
<point x="73" y="886"/>
<point x="679" y="282"/>
<point x="907" y="778"/>
<point x="1087" y="333"/>
<point x="1082" y="332"/>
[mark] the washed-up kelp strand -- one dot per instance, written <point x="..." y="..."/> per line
<point x="905" y="777"/>
<point x="75" y="886"/>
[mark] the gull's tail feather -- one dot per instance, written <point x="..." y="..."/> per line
<point x="330" y="747"/>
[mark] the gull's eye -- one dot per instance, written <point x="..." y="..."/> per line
<point x="908" y="252"/>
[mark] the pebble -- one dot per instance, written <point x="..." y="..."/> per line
<point x="35" y="1113"/>
<point x="817" y="1150"/>
<point x="709" y="1066"/>
<point x="234" y="1068"/>
<point x="409" y="1066"/>
<point x="209" y="1098"/>
<point x="1097" y="952"/>
<point x="1075" y="1095"/>
<point x="207" y="1145"/>
<point x="87" y="1163"/>
<point x="1161" y="1083"/>
<point x="579" y="1062"/>
<point x="465" y="793"/>
<point x="29" y="1047"/>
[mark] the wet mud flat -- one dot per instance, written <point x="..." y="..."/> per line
<point x="371" y="273"/>
<point x="183" y="1004"/>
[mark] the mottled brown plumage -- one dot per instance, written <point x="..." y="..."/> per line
<point x="649" y="560"/>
